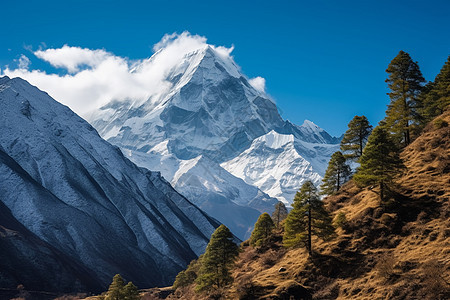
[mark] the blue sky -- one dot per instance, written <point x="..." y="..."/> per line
<point x="322" y="60"/>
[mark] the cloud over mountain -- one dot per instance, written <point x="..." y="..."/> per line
<point x="86" y="79"/>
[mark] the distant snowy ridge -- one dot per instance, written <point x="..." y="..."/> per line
<point x="279" y="164"/>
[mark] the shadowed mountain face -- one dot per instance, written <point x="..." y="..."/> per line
<point x="207" y="135"/>
<point x="28" y="260"/>
<point x="74" y="203"/>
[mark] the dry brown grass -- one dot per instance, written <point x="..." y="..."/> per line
<point x="427" y="161"/>
<point x="386" y="250"/>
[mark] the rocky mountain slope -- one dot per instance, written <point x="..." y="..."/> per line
<point x="71" y="202"/>
<point x="206" y="127"/>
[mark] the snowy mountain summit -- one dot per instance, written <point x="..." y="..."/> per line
<point x="217" y="137"/>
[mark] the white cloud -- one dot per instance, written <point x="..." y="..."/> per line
<point x="224" y="52"/>
<point x="184" y="39"/>
<point x="258" y="83"/>
<point x="24" y="62"/>
<point x="72" y="58"/>
<point x="96" y="77"/>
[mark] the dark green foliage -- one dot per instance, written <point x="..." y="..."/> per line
<point x="130" y="292"/>
<point x="405" y="82"/>
<point x="217" y="261"/>
<point x="436" y="95"/>
<point x="181" y="280"/>
<point x="340" y="220"/>
<point x="263" y="229"/>
<point x="119" y="291"/>
<point x="380" y="161"/>
<point x="442" y="88"/>
<point x="428" y="99"/>
<point x="279" y="214"/>
<point x="115" y="289"/>
<point x="440" y="123"/>
<point x="308" y="217"/>
<point x="188" y="276"/>
<point x="336" y="174"/>
<point x="355" y="137"/>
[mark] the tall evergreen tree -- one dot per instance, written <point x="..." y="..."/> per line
<point x="308" y="217"/>
<point x="436" y="96"/>
<point x="217" y="261"/>
<point x="428" y="98"/>
<point x="263" y="229"/>
<point x="336" y="174"/>
<point x="279" y="214"/>
<point x="405" y="82"/>
<point x="355" y="138"/>
<point x="380" y="161"/>
<point x="115" y="290"/>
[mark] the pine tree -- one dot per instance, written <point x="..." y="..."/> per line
<point x="115" y="290"/>
<point x="428" y="97"/>
<point x="380" y="161"/>
<point x="130" y="292"/>
<point x="188" y="276"/>
<point x="279" y="214"/>
<point x="263" y="229"/>
<point x="436" y="95"/>
<point x="217" y="261"/>
<point x="336" y="174"/>
<point x="405" y="82"/>
<point x="355" y="137"/>
<point x="308" y="217"/>
<point x="442" y="87"/>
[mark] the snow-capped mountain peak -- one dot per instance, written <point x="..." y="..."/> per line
<point x="309" y="125"/>
<point x="209" y="106"/>
<point x="208" y="121"/>
<point x="274" y="139"/>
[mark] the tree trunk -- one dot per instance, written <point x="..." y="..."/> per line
<point x="407" y="135"/>
<point x="338" y="180"/>
<point x="382" y="190"/>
